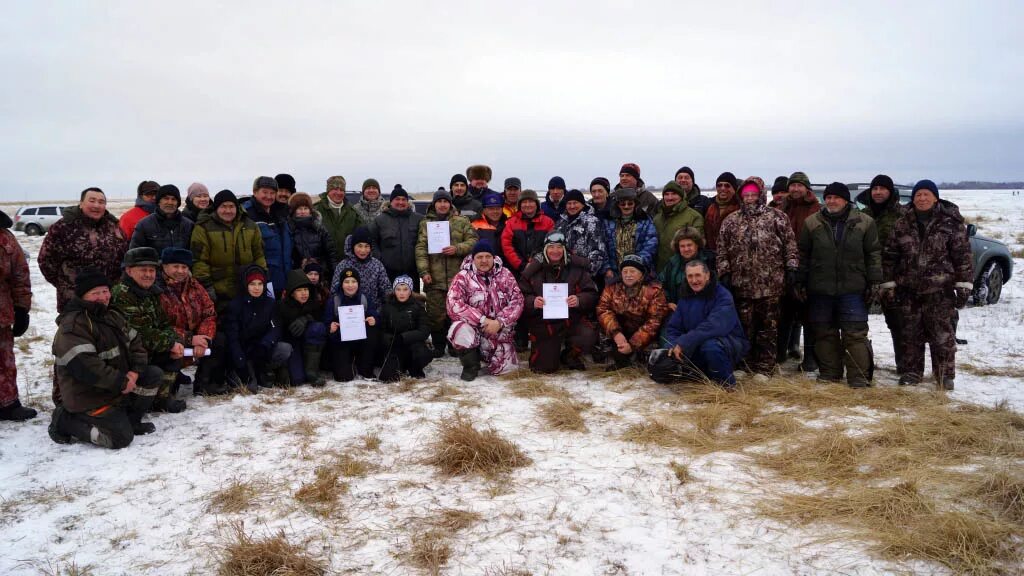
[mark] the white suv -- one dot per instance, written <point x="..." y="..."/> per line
<point x="36" y="220"/>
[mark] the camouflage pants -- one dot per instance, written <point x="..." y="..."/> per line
<point x="8" y="370"/>
<point x="760" y="320"/>
<point x="928" y="319"/>
<point x="437" y="312"/>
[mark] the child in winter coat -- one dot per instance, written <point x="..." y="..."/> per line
<point x="404" y="332"/>
<point x="258" y="356"/>
<point x="321" y="285"/>
<point x="297" y="316"/>
<point x="373" y="277"/>
<point x="358" y="353"/>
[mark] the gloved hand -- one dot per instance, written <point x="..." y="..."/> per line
<point x="20" y="321"/>
<point x="726" y="281"/>
<point x="961" y="297"/>
<point x="298" y="326"/>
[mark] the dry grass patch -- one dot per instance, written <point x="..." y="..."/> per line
<point x="322" y="493"/>
<point x="652" y="432"/>
<point x="371" y="441"/>
<point x="270" y="556"/>
<point x="535" y="387"/>
<point x="681" y="472"/>
<point x="65" y="568"/>
<point x="1002" y="490"/>
<point x="454" y="520"/>
<point x="305" y="427"/>
<point x="430" y="551"/>
<point x="565" y="414"/>
<point x="507" y="570"/>
<point x="236" y="496"/>
<point x="460" y="448"/>
<point x="986" y="370"/>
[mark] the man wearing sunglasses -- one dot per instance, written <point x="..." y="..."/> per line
<point x="630" y="231"/>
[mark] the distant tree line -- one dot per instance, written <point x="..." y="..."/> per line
<point x="978" y="185"/>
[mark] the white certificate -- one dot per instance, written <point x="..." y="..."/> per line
<point x="351" y="323"/>
<point x="556" y="307"/>
<point x="190" y="352"/>
<point x="438" y="236"/>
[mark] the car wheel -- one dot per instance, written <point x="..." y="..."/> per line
<point x="33" y="230"/>
<point x="990" y="284"/>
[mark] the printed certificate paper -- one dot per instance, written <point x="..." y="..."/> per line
<point x="438" y="236"/>
<point x="351" y="323"/>
<point x="555" y="305"/>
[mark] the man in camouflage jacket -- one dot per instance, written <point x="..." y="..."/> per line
<point x="15" y="303"/>
<point x="757" y="259"/>
<point x="137" y="298"/>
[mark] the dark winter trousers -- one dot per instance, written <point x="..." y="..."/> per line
<point x="112" y="426"/>
<point x="839" y="327"/>
<point x="894" y="321"/>
<point x="790" y="315"/>
<point x="8" y="369"/>
<point x="315" y="335"/>
<point x="412" y="358"/>
<point x="169" y="380"/>
<point x="760" y="320"/>
<point x="548" y="338"/>
<point x="210" y="370"/>
<point x="714" y="360"/>
<point x="437" y="315"/>
<point x="354" y="356"/>
<point x="928" y="319"/>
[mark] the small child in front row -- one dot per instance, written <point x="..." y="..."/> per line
<point x="353" y="353"/>
<point x="404" y="333"/>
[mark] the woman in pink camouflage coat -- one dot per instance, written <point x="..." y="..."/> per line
<point x="484" y="303"/>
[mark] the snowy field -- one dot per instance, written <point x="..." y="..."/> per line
<point x="590" y="502"/>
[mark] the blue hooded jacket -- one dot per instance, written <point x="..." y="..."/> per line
<point x="708" y="315"/>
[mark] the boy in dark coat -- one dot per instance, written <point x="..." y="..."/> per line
<point x="297" y="316"/>
<point x="258" y="355"/>
<point x="358" y="353"/>
<point x="404" y="332"/>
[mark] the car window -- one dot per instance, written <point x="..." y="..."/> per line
<point x="29" y="212"/>
<point x="48" y="211"/>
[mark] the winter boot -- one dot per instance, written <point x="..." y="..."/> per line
<point x="470" y="364"/>
<point x="166" y="401"/>
<point x="948" y="384"/>
<point x="17" y="413"/>
<point x="311" y="364"/>
<point x="440" y="340"/>
<point x="184" y="386"/>
<point x="909" y="380"/>
<point x="282" y="378"/>
<point x="572" y="358"/>
<point x="810" y="361"/>
<point x="858" y="357"/>
<point x="55" y="430"/>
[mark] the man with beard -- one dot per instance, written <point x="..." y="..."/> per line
<point x="272" y="218"/>
<point x="840" y="260"/>
<point x="691" y="192"/>
<point x="137" y="298"/>
<point x="725" y="202"/>
<point x="929" y="272"/>
<point x="166" y="227"/>
<point x="285" y="187"/>
<point x="704" y="333"/>
<point x="757" y="261"/>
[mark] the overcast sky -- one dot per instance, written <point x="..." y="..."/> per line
<point x="111" y="93"/>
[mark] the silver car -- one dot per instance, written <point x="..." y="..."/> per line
<point x="36" y="220"/>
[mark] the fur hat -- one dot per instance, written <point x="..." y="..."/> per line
<point x="625" y="194"/>
<point x="172" y="255"/>
<point x="687" y="233"/>
<point x="335" y="183"/>
<point x="926" y="185"/>
<point x="837" y="189"/>
<point x="799" y="178"/>
<point x="299" y="200"/>
<point x="479" y="172"/>
<point x="264" y="182"/>
<point x="556" y="182"/>
<point x="88" y="278"/>
<point x="146" y="187"/>
<point x="141" y="256"/>
<point x="528" y="195"/>
<point x="576" y="195"/>
<point x="370" y="182"/>
<point x="222" y="197"/>
<point x="286" y="182"/>
<point x="631" y="169"/>
<point x="634" y="261"/>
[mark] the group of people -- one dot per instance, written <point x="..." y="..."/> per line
<point x="261" y="291"/>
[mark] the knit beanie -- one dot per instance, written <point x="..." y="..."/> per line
<point x="926" y="185"/>
<point x="264" y="182"/>
<point x="837" y="189"/>
<point x="441" y="195"/>
<point x="687" y="170"/>
<point x="885" y="182"/>
<point x="335" y="183"/>
<point x="528" y="195"/>
<point x="168" y="190"/>
<point x="602" y="182"/>
<point x="172" y="255"/>
<point x="556" y="182"/>
<point x="781" y="184"/>
<point x="197" y="188"/>
<point x="576" y="195"/>
<point x="348" y="273"/>
<point x="361" y="235"/>
<point x="298" y="201"/>
<point x="727" y="177"/>
<point x="222" y="197"/>
<point x="800" y="178"/>
<point x="457" y="178"/>
<point x="403" y="279"/>
<point x="286" y="182"/>
<point x="88" y="278"/>
<point x="313" y="266"/>
<point x="631" y="169"/>
<point x="634" y="261"/>
<point x="399" y="192"/>
<point x="675" y="188"/>
<point x="370" y="182"/>
<point x="483" y="246"/>
<point x="255" y="274"/>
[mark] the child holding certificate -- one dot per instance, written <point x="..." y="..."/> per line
<point x="353" y="329"/>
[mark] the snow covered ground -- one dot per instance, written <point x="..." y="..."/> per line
<point x="589" y="503"/>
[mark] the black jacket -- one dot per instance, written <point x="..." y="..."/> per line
<point x="407" y="318"/>
<point x="311" y="241"/>
<point x="159" y="231"/>
<point x="394" y="240"/>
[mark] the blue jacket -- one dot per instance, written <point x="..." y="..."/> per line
<point x="249" y="325"/>
<point x="646" y="245"/>
<point x="699" y="318"/>
<point x="277" y="241"/>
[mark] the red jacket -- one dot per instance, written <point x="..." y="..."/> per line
<point x="190" y="309"/>
<point x="130" y="219"/>
<point x="522" y="238"/>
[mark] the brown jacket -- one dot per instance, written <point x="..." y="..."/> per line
<point x="637" y="312"/>
<point x="798" y="210"/>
